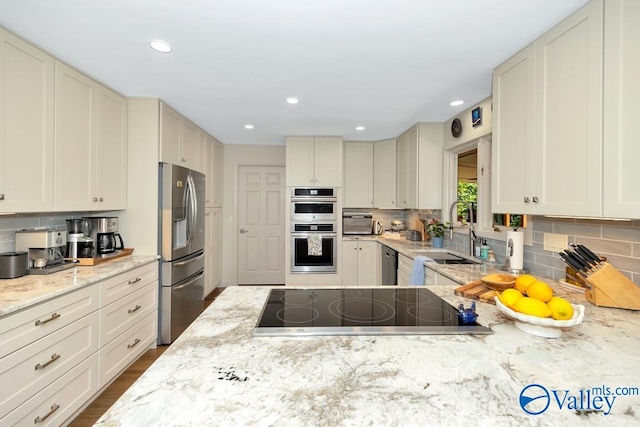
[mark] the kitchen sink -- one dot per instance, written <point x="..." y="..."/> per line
<point x="443" y="257"/>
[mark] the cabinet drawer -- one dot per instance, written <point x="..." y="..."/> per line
<point x="123" y="284"/>
<point x="116" y="355"/>
<point x="126" y="312"/>
<point x="61" y="399"/>
<point x="24" y="327"/>
<point x="26" y="371"/>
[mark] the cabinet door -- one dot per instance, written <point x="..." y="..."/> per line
<point x="358" y="175"/>
<point x="111" y="150"/>
<point x="208" y="251"/>
<point x="217" y="173"/>
<point x="513" y="142"/>
<point x="300" y="161"/>
<point x="401" y="168"/>
<point x="568" y="116"/>
<point x="26" y="126"/>
<point x="328" y="162"/>
<point x="367" y="264"/>
<point x="169" y="135"/>
<point x="621" y="108"/>
<point x="350" y="263"/>
<point x="213" y="249"/>
<point x="384" y="174"/>
<point x="188" y="144"/>
<point x="76" y="103"/>
<point x="412" y="168"/>
<point x="201" y="156"/>
<point x="209" y="167"/>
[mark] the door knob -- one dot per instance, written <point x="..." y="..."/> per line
<point x="242" y="230"/>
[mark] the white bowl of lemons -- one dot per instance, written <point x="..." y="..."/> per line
<point x="535" y="309"/>
<point x="546" y="327"/>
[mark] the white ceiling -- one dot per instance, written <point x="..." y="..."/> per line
<point x="382" y="64"/>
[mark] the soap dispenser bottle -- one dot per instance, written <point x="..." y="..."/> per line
<point x="484" y="250"/>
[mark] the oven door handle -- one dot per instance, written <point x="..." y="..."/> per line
<point x="315" y="200"/>
<point x="307" y="233"/>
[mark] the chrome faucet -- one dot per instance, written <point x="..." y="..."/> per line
<point x="472" y="234"/>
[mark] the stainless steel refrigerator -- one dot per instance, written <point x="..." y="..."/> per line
<point x="181" y="239"/>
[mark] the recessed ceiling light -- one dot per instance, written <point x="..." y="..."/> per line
<point x="360" y="128"/>
<point x="160" y="46"/>
<point x="457" y="102"/>
<point x="292" y="100"/>
<point x="248" y="126"/>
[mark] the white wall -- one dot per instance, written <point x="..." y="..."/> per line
<point x="236" y="155"/>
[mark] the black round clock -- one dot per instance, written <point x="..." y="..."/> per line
<point x="456" y="128"/>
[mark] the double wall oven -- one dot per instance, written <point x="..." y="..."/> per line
<point x="314" y="237"/>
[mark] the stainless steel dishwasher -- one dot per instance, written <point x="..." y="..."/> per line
<point x="389" y="266"/>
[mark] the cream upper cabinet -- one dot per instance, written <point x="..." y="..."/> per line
<point x="213" y="171"/>
<point x="621" y="107"/>
<point x="26" y="126"/>
<point x="384" y="174"/>
<point x="547" y="133"/>
<point x="358" y="175"/>
<point x="90" y="144"/>
<point x="568" y="116"/>
<point x="407" y="169"/>
<point x="314" y="161"/>
<point x="178" y="139"/>
<point x="111" y="150"/>
<point x="513" y="142"/>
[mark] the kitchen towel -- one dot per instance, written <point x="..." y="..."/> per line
<point x="517" y="239"/>
<point x="417" y="272"/>
<point x="314" y="244"/>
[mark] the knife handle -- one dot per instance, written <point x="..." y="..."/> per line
<point x="593" y="256"/>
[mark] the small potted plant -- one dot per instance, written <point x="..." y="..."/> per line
<point x="436" y="229"/>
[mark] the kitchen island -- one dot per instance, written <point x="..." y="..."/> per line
<point x="217" y="373"/>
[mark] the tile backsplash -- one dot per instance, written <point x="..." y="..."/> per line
<point x="618" y="241"/>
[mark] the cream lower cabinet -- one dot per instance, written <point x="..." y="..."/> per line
<point x="90" y="144"/>
<point x="360" y="261"/>
<point x="212" y="249"/>
<point x="548" y="122"/>
<point x="358" y="175"/>
<point x="56" y="356"/>
<point x="26" y="126"/>
<point x="405" y="265"/>
<point x="314" y="161"/>
<point x="384" y="174"/>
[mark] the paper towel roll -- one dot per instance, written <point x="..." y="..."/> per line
<point x="517" y="259"/>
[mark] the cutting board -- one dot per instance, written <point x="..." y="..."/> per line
<point x="96" y="261"/>
<point x="477" y="291"/>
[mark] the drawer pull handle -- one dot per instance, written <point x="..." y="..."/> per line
<point x="54" y="316"/>
<point x="133" y="310"/>
<point x="135" y="343"/>
<point x="54" y="357"/>
<point x="54" y="408"/>
<point x="137" y="279"/>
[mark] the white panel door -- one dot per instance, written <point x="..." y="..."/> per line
<point x="621" y="109"/>
<point x="261" y="222"/>
<point x="26" y="126"/>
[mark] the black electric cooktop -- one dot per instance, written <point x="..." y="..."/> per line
<point x="360" y="311"/>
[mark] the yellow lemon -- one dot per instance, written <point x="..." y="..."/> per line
<point x="509" y="297"/>
<point x="532" y="307"/>
<point x="540" y="291"/>
<point x="560" y="308"/>
<point x="523" y="281"/>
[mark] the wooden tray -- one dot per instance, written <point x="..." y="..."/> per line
<point x="96" y="261"/>
<point x="477" y="291"/>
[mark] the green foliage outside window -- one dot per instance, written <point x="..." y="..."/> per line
<point x="467" y="191"/>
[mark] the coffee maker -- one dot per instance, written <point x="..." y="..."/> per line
<point x="79" y="244"/>
<point x="104" y="232"/>
<point x="45" y="248"/>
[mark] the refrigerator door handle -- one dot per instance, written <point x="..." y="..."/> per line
<point x="190" y="211"/>
<point x="189" y="261"/>
<point x="194" y="204"/>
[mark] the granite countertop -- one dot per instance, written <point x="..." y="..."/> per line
<point x="25" y="291"/>
<point x="217" y="373"/>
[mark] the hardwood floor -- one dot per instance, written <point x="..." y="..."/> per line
<point x="93" y="412"/>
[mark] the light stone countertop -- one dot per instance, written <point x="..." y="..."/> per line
<point x="25" y="291"/>
<point x="217" y="374"/>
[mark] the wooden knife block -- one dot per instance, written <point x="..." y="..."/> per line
<point x="611" y="288"/>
